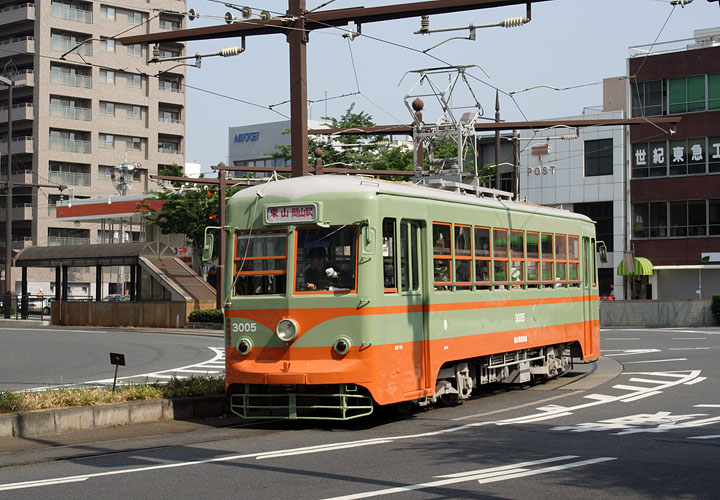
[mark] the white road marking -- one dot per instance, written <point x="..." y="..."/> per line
<point x="485" y="476"/>
<point x="214" y="365"/>
<point x="654" y="361"/>
<point x="706" y="406"/>
<point x="712" y="436"/>
<point x="691" y="348"/>
<point x="662" y="421"/>
<point x="628" y="352"/>
<point x="623" y="338"/>
<point x="690" y="338"/>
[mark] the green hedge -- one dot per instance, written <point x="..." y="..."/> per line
<point x="206" y="316"/>
<point x="716" y="305"/>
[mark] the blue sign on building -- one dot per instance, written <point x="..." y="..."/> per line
<point x="247" y="137"/>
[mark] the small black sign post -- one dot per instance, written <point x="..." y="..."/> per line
<point x="117" y="360"/>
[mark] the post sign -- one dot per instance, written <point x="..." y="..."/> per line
<point x="291" y="213"/>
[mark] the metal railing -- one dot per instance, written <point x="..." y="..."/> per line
<point x="70" y="145"/>
<point x="69" y="178"/>
<point x="70" y="79"/>
<point x="674" y="46"/>
<point x="71" y="112"/>
<point x="62" y="11"/>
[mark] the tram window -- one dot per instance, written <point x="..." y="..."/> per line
<point x="573" y="261"/>
<point x="463" y="257"/>
<point x="560" y="259"/>
<point x="517" y="256"/>
<point x="409" y="256"/>
<point x="533" y="257"/>
<point x="388" y="252"/>
<point x="500" y="256"/>
<point x="326" y="259"/>
<point x="482" y="256"/>
<point x="260" y="262"/>
<point x="546" y="246"/>
<point x="442" y="255"/>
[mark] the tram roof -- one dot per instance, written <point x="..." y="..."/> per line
<point x="306" y="187"/>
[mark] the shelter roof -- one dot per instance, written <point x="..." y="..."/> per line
<point x="125" y="254"/>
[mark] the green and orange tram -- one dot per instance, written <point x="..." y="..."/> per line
<point x="347" y="292"/>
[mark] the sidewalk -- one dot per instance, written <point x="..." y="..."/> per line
<point x="202" y="329"/>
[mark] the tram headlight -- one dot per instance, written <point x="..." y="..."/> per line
<point x="342" y="346"/>
<point x="287" y="329"/>
<point x="244" y="346"/>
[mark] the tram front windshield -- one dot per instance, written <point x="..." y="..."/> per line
<point x="326" y="259"/>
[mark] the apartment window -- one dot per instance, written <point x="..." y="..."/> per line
<point x="134" y="81"/>
<point x="168" y="116"/>
<point x="133" y="143"/>
<point x="598" y="157"/>
<point x="648" y="98"/>
<point x="714" y="154"/>
<point x="107" y="77"/>
<point x="133" y="112"/>
<point x="714" y="217"/>
<point x="687" y="156"/>
<point x="107" y="140"/>
<point x="73" y="109"/>
<point x="134" y="17"/>
<point x="107" y="12"/>
<point x="169" y="24"/>
<point x="69" y="141"/>
<point x="602" y="214"/>
<point x="134" y="49"/>
<point x="107" y="45"/>
<point x="686" y="94"/>
<point x="107" y="108"/>
<point x="70" y="76"/>
<point x="70" y="174"/>
<point x="168" y="86"/>
<point x="168" y="147"/>
<point x="70" y="11"/>
<point x="63" y="41"/>
<point x="714" y="91"/>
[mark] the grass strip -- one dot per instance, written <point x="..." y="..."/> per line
<point x="61" y="397"/>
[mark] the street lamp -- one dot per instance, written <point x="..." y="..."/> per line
<point x="7" y="297"/>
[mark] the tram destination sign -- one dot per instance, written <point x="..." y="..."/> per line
<point x="284" y="214"/>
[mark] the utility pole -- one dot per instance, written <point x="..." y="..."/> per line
<point x="296" y="24"/>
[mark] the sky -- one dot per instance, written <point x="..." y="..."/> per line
<point x="569" y="44"/>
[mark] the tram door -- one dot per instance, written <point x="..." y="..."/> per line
<point x="587" y="286"/>
<point x="411" y="287"/>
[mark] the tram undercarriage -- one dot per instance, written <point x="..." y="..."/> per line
<point x="456" y="380"/>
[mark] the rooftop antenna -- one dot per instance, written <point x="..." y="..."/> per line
<point x="122" y="175"/>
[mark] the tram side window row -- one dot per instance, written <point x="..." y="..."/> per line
<point x="469" y="257"/>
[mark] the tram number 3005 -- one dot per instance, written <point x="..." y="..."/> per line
<point x="244" y="327"/>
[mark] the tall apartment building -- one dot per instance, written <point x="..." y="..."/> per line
<point x="675" y="179"/>
<point x="87" y="104"/>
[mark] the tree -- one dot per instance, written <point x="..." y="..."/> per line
<point x="355" y="151"/>
<point x="188" y="208"/>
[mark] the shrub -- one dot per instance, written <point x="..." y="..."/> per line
<point x="715" y="307"/>
<point x="206" y="316"/>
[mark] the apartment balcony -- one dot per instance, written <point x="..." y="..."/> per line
<point x="66" y="240"/>
<point x="70" y="112"/>
<point x="69" y="178"/>
<point x="71" y="80"/>
<point x="19" y="145"/>
<point x="22" y="111"/>
<point x="62" y="11"/>
<point x="69" y="145"/>
<point x="19" y="45"/>
<point x="20" y="242"/>
<point x="25" y="177"/>
<point x="171" y="126"/>
<point x="15" y="13"/>
<point x="21" y="211"/>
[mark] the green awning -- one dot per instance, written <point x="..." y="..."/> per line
<point x="643" y="267"/>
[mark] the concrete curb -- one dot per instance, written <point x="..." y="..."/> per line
<point x="41" y="423"/>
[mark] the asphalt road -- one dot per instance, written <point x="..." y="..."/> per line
<point x="32" y="358"/>
<point x="645" y="424"/>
